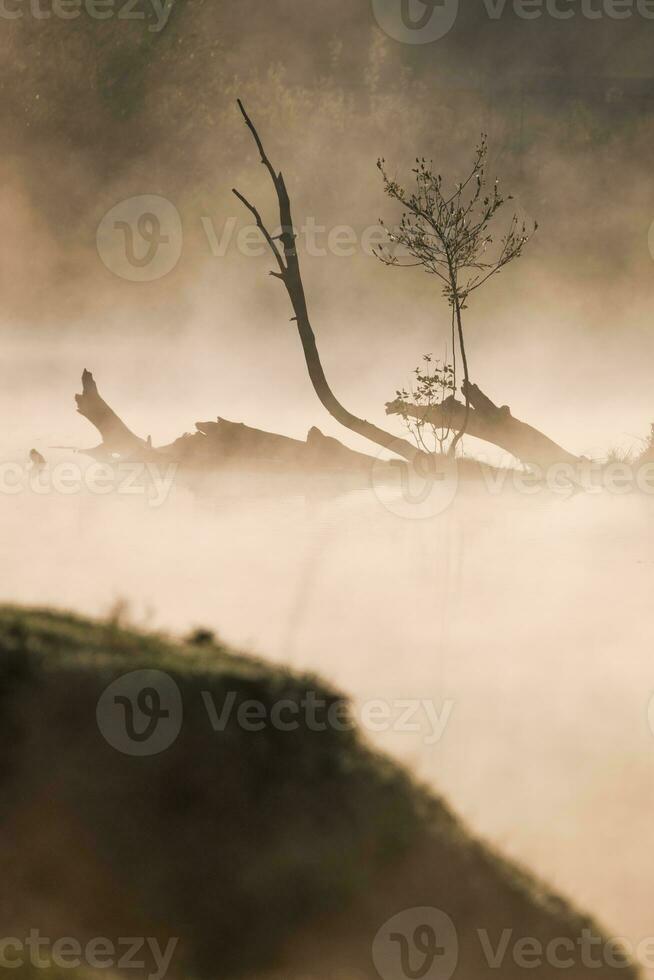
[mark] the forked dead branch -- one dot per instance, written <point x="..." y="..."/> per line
<point x="289" y="272"/>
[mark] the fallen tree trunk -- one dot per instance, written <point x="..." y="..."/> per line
<point x="216" y="444"/>
<point x="117" y="439"/>
<point x="219" y="443"/>
<point x="492" y="423"/>
<point x="222" y="442"/>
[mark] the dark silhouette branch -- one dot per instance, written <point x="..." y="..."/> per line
<point x="485" y="420"/>
<point x="117" y="438"/>
<point x="289" y="273"/>
<point x="264" y="231"/>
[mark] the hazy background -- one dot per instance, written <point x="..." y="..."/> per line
<point x="530" y="615"/>
<point x="96" y="112"/>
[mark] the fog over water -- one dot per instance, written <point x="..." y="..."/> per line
<point x="528" y="615"/>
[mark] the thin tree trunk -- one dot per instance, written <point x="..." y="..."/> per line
<point x="466" y="381"/>
<point x="289" y="273"/>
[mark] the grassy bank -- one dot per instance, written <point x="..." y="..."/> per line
<point x="261" y="850"/>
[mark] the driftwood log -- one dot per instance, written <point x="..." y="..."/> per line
<point x="117" y="439"/>
<point x="215" y="444"/>
<point x="223" y="443"/>
<point x="492" y="423"/>
<point x="220" y="443"/>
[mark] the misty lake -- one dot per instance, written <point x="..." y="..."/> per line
<point x="522" y="621"/>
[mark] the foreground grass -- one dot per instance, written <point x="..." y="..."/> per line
<point x="259" y="850"/>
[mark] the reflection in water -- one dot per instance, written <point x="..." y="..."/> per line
<point x="528" y="614"/>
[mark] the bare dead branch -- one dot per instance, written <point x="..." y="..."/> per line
<point x="262" y="153"/>
<point x="291" y="277"/>
<point x="262" y="228"/>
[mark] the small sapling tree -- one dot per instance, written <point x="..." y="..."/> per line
<point x="449" y="236"/>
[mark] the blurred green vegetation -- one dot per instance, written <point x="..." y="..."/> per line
<point x="259" y="850"/>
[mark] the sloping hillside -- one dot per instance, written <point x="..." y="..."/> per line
<point x="276" y="843"/>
